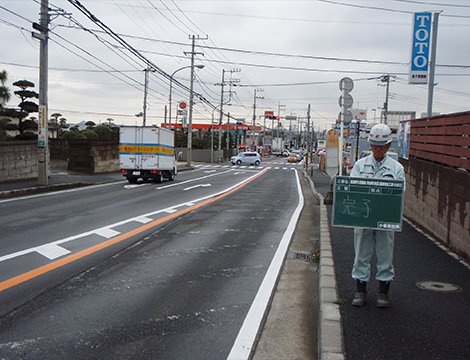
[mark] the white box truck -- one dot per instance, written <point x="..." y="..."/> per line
<point x="148" y="153"/>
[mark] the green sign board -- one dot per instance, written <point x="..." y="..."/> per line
<point x="368" y="203"/>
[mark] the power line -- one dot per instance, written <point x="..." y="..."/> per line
<point x="299" y="56"/>
<point x="432" y="4"/>
<point x="131" y="49"/>
<point x="386" y="9"/>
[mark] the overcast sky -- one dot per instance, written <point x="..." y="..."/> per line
<point x="296" y="51"/>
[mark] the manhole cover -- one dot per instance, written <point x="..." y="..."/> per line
<point x="438" y="286"/>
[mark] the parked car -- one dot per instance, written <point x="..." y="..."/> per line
<point x="252" y="158"/>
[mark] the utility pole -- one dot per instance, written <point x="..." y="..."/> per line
<point x="309" y="136"/>
<point x="278" y="122"/>
<point x="43" y="131"/>
<point x="221" y="108"/>
<point x="386" y="78"/>
<point x="191" y="97"/>
<point x="166" y="112"/>
<point x="254" y="115"/>
<point x="146" y="84"/>
<point x="228" y="136"/>
<point x="222" y="84"/>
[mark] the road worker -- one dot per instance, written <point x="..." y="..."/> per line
<point x="377" y="165"/>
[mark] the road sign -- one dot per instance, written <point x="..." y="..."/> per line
<point x="346" y="84"/>
<point x="346" y="115"/>
<point x="368" y="203"/>
<point x="183" y="105"/>
<point x="345" y="101"/>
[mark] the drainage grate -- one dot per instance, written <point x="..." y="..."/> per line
<point x="438" y="286"/>
<point x="300" y="256"/>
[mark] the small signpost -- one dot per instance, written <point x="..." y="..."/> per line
<point x="368" y="203"/>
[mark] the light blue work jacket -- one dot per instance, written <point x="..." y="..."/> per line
<point x="388" y="168"/>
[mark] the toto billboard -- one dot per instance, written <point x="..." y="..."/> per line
<point x="420" y="43"/>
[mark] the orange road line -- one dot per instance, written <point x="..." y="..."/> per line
<point x="91" y="250"/>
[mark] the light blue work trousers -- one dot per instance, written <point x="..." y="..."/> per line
<point x="365" y="240"/>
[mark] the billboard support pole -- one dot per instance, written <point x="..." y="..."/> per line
<point x="432" y="64"/>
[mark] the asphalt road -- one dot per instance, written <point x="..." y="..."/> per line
<point x="180" y="289"/>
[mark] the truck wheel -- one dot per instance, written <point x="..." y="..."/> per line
<point x="132" y="180"/>
<point x="171" y="177"/>
<point x="158" y="178"/>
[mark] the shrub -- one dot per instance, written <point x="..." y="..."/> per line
<point x="89" y="134"/>
<point x="27" y="135"/>
<point x="104" y="132"/>
<point x="70" y="135"/>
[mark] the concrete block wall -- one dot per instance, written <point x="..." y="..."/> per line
<point x="437" y="199"/>
<point x="18" y="160"/>
<point x="93" y="156"/>
<point x="105" y="156"/>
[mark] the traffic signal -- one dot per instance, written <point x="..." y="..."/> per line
<point x="272" y="117"/>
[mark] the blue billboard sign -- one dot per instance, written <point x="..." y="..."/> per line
<point x="420" y="43"/>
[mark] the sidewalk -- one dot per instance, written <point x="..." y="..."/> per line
<point x="429" y="313"/>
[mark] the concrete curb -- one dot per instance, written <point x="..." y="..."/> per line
<point x="48" y="188"/>
<point x="330" y="333"/>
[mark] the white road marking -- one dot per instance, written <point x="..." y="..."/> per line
<point x="135" y="185"/>
<point x="107" y="233"/>
<point x="52" y="251"/>
<point x="143" y="219"/>
<point x="196" y="186"/>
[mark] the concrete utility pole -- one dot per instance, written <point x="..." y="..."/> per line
<point x="254" y="115"/>
<point x="146" y="84"/>
<point x="386" y="78"/>
<point x="228" y="136"/>
<point x="309" y="136"/>
<point x="191" y="97"/>
<point x="43" y="146"/>
<point x="221" y="108"/>
<point x="222" y="84"/>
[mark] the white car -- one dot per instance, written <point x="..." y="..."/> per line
<point x="252" y="158"/>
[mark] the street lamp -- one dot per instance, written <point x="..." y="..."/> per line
<point x="171" y="87"/>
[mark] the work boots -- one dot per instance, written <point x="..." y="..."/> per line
<point x="382" y="298"/>
<point x="360" y="296"/>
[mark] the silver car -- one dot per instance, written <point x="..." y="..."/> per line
<point x="252" y="158"/>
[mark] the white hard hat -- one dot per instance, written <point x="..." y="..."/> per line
<point x="380" y="135"/>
